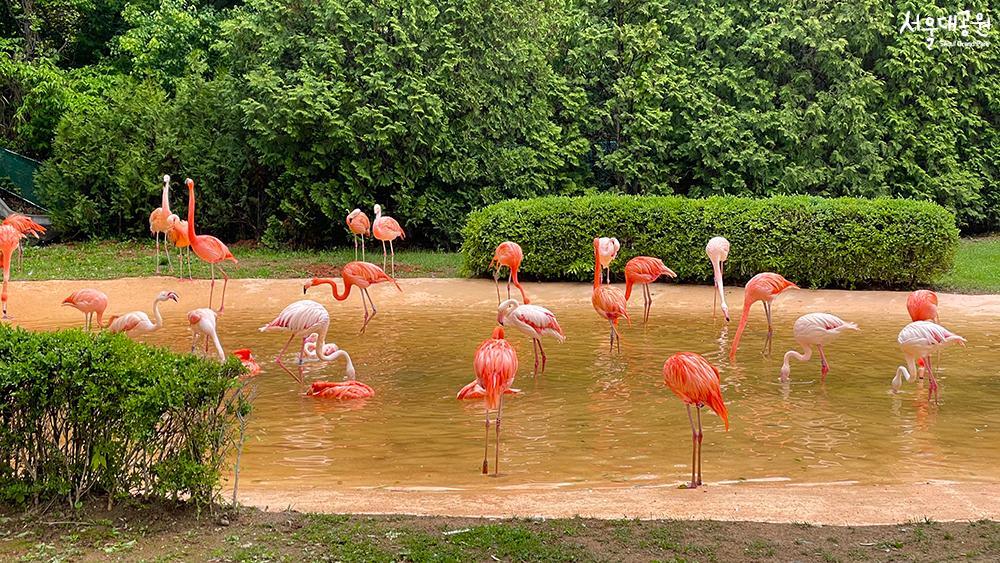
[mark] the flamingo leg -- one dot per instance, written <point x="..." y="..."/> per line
<point x="355" y="237"/>
<point x="647" y="302"/>
<point x="496" y="455"/>
<point x="823" y="362"/>
<point x="277" y="360"/>
<point x="701" y="436"/>
<point x="393" y="253"/>
<point x="770" y="329"/>
<point x="611" y="337"/>
<point x="157" y="236"/>
<point x="364" y="293"/>
<point x="384" y="255"/>
<point x="20" y="256"/>
<point x="932" y="388"/>
<point x="510" y="275"/>
<point x="225" y="282"/>
<point x="211" y="291"/>
<point x="486" y="448"/>
<point x="542" y="352"/>
<point x="694" y="450"/>
<point x="362" y="248"/>
<point x="534" y="349"/>
<point x="166" y="249"/>
<point x="496" y="280"/>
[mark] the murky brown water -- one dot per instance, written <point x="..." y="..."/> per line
<point x="593" y="417"/>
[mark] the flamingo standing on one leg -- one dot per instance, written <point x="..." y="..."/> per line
<point x="302" y="318"/>
<point x="178" y="235"/>
<point x="917" y="340"/>
<point x="10" y="240"/>
<point x="696" y="382"/>
<point x="922" y="305"/>
<point x="387" y="229"/>
<point x="160" y="221"/>
<point x="644" y="270"/>
<point x="608" y="301"/>
<point x="718" y="252"/>
<point x="26" y="226"/>
<point x="88" y="301"/>
<point x="359" y="226"/>
<point x="248" y="361"/>
<point x="495" y="363"/>
<point x="815" y="329"/>
<point x="609" y="248"/>
<point x="208" y="248"/>
<point x="508" y="254"/>
<point x="764" y="288"/>
<point x="204" y="323"/>
<point x="361" y="274"/>
<point x="137" y="322"/>
<point x="534" y="321"/>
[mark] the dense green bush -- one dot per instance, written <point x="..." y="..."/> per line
<point x="83" y="414"/>
<point x="815" y="242"/>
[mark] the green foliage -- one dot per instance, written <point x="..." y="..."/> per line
<point x="170" y="41"/>
<point x="82" y="414"/>
<point x="814" y="242"/>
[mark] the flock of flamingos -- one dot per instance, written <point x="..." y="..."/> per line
<point x="689" y="375"/>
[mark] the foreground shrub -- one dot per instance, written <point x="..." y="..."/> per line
<point x="86" y="414"/>
<point x="814" y="242"/>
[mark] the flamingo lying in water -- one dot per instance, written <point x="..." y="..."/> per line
<point x="718" y="252"/>
<point x="764" y="288"/>
<point x="137" y="322"/>
<point x="644" y="270"/>
<point x="534" y="322"/>
<point x="89" y="302"/>
<point x="815" y="329"/>
<point x="361" y="274"/>
<point x="917" y="340"/>
<point x="495" y="363"/>
<point x="696" y="382"/>
<point x="508" y="255"/>
<point x="248" y="361"/>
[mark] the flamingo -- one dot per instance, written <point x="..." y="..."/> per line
<point x="922" y="305"/>
<point x="644" y="270"/>
<point x="10" y="240"/>
<point x="161" y="220"/>
<point x="495" y="363"/>
<point x="208" y="248"/>
<point x="609" y="248"/>
<point x="608" y="301"/>
<point x="300" y="319"/>
<point x="534" y="322"/>
<point x="88" y="301"/>
<point x="203" y="323"/>
<point x="508" y="254"/>
<point x="137" y="322"/>
<point x="361" y="274"/>
<point x="178" y="235"/>
<point x="248" y="361"/>
<point x="718" y="252"/>
<point x="387" y="229"/>
<point x="764" y="288"/>
<point x="309" y="348"/>
<point x="359" y="226"/>
<point x="473" y="391"/>
<point x="815" y="329"/>
<point x="696" y="382"/>
<point x="917" y="340"/>
<point x="26" y="226"/>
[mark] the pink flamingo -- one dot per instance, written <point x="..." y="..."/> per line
<point x="208" y="248"/>
<point x="88" y="301"/>
<point x="309" y="348"/>
<point x="922" y="305"/>
<point x="137" y="322"/>
<point x="248" y="361"/>
<point x="608" y="301"/>
<point x="644" y="270"/>
<point x="300" y="319"/>
<point x="718" y="252"/>
<point x="696" y="382"/>
<point x="815" y="329"/>
<point x="917" y="340"/>
<point x="359" y="226"/>
<point x="508" y="254"/>
<point x="10" y="240"/>
<point x="386" y="229"/>
<point x="764" y="288"/>
<point x="534" y="322"/>
<point x="361" y="274"/>
<point x="26" y="226"/>
<point x="473" y="391"/>
<point x="204" y="323"/>
<point x="495" y="363"/>
<point x="609" y="248"/>
<point x="161" y="220"/>
<point x="178" y="235"/>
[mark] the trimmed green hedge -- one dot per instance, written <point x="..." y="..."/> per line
<point x="814" y="242"/>
<point x="83" y="414"/>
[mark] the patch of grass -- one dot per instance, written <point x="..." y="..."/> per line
<point x="517" y="543"/>
<point x="100" y="260"/>
<point x="977" y="267"/>
<point x="760" y="549"/>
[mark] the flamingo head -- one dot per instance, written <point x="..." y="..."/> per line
<point x="165" y="295"/>
<point x="189" y="183"/>
<point x="498" y="333"/>
<point x="505" y="309"/>
<point x="725" y="311"/>
<point x="68" y="300"/>
<point x="166" y="178"/>
<point x="311" y="283"/>
<point x="353" y="214"/>
<point x="785" y="370"/>
<point x="243" y="354"/>
<point x="312" y="338"/>
<point x="378" y="209"/>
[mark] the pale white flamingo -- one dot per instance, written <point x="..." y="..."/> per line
<point x="160" y="222"/>
<point x="137" y="322"/>
<point x="718" y="252"/>
<point x="300" y="319"/>
<point x="917" y="340"/>
<point x="608" y="250"/>
<point x="534" y="322"/>
<point x="204" y="323"/>
<point x="815" y="329"/>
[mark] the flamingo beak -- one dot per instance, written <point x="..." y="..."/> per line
<point x="173" y="296"/>
<point x="305" y="288"/>
<point x="500" y="319"/>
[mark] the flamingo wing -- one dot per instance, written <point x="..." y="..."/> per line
<point x="540" y="320"/>
<point x="211" y="249"/>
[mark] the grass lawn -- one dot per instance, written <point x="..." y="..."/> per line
<point x="112" y="259"/>
<point x="175" y="534"/>
<point x="977" y="267"/>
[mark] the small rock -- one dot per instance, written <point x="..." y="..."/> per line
<point x="223" y="521"/>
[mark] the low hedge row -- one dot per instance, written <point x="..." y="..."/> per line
<point x="101" y="414"/>
<point x="815" y="242"/>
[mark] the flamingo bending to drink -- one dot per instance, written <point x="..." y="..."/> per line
<point x="387" y="229"/>
<point x="89" y="302"/>
<point x="359" y="225"/>
<point x="608" y="301"/>
<point x="361" y="274"/>
<point x="917" y="340"/>
<point x="208" y="248"/>
<point x="815" y="329"/>
<point x="26" y="226"/>
<point x="764" y="288"/>
<point x="204" y="323"/>
<point x="718" y="252"/>
<point x="534" y="322"/>
<point x="508" y="254"/>
<point x="696" y="382"/>
<point x="137" y="322"/>
<point x="644" y="270"/>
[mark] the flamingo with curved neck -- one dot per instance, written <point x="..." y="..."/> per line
<point x="718" y="252"/>
<point x="137" y="322"/>
<point x="361" y="274"/>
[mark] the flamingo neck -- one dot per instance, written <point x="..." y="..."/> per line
<point x="190" y="229"/>
<point x="165" y="204"/>
<point x="321" y="348"/>
<point x="333" y="289"/>
<point x="717" y="271"/>
<point x="157" y="315"/>
<point x="349" y="368"/>
<point x="597" y="265"/>
<point x="218" y="346"/>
